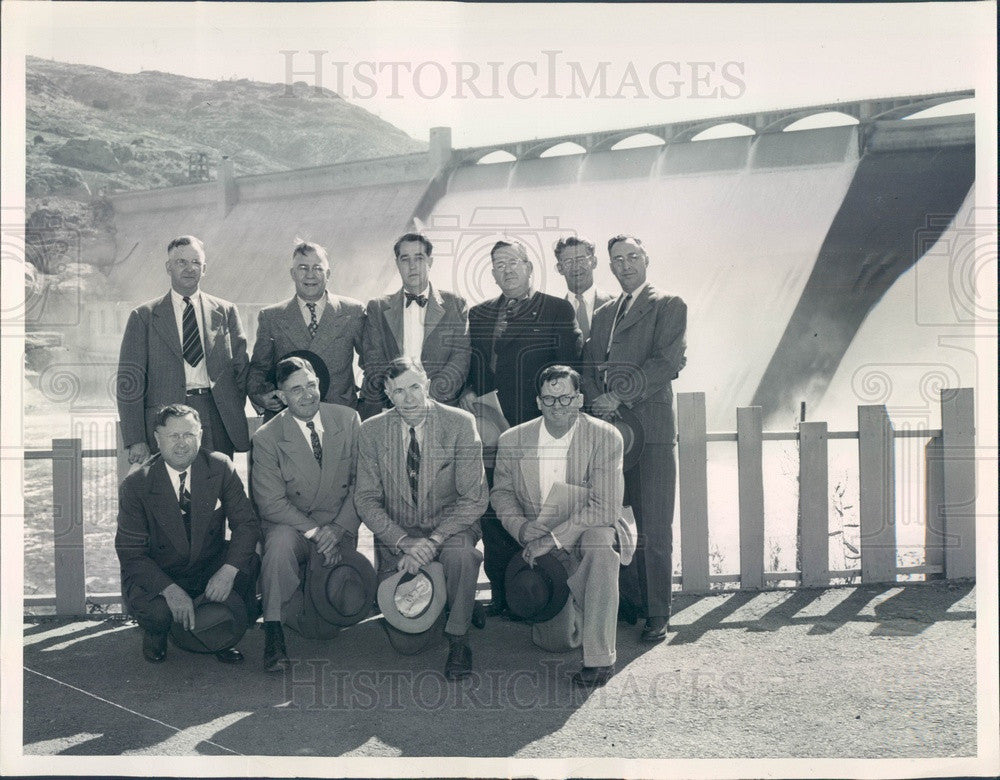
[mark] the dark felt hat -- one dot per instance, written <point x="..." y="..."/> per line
<point x="536" y="593"/>
<point x="318" y="364"/>
<point x="342" y="594"/>
<point x="217" y="625"/>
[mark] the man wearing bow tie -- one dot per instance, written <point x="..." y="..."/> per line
<point x="314" y="319"/>
<point x="636" y="349"/>
<point x="514" y="338"/>
<point x="186" y="347"/>
<point x="304" y="465"/>
<point x="417" y="321"/>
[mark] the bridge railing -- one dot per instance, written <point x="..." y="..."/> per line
<point x="950" y="506"/>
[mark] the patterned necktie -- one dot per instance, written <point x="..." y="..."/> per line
<point x="501" y="326"/>
<point x="313" y="322"/>
<point x="193" y="351"/>
<point x="314" y="440"/>
<point x="420" y="300"/>
<point x="413" y="466"/>
<point x="185" y="503"/>
<point x="582" y="318"/>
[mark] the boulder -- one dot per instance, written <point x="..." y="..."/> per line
<point x="91" y="154"/>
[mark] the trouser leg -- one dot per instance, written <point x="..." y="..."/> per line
<point x="654" y="514"/>
<point x="214" y="436"/>
<point x="498" y="548"/>
<point x="285" y="550"/>
<point x="461" y="560"/>
<point x="594" y="585"/>
<point x="152" y="615"/>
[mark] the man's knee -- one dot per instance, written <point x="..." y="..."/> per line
<point x="460" y="550"/>
<point x="280" y="544"/>
<point x="598" y="545"/>
<point x="153" y="615"/>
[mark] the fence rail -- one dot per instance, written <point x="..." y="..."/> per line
<point x="950" y="506"/>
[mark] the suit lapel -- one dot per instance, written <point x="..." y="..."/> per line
<point x="434" y="312"/>
<point x="165" y="508"/>
<point x="328" y="327"/>
<point x="398" y="445"/>
<point x="393" y="314"/>
<point x="293" y="324"/>
<point x="165" y="323"/>
<point x="204" y="492"/>
<point x="528" y="466"/>
<point x="331" y="429"/>
<point x="212" y="315"/>
<point x="293" y="443"/>
<point x="576" y="466"/>
<point x="637" y="311"/>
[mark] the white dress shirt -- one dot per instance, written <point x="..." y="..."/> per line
<point x="304" y="308"/>
<point x="175" y="479"/>
<point x="194" y="376"/>
<point x="553" y="457"/>
<point x="413" y="326"/>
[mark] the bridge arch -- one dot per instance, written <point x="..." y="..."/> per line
<point x="496" y="156"/>
<point x="821" y="119"/>
<point x="638" y="141"/>
<point x="563" y="149"/>
<point x="723" y="130"/>
<point x="947" y="108"/>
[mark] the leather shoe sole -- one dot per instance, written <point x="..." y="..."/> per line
<point x="593" y="676"/>
<point x="459" y="662"/>
<point x="154" y="647"/>
<point x="230" y="656"/>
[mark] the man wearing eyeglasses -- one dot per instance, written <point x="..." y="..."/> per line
<point x="171" y="544"/>
<point x="417" y="321"/>
<point x="536" y="460"/>
<point x="313" y="319"/>
<point x="513" y="338"/>
<point x="576" y="260"/>
<point x="304" y="466"/>
<point x="636" y="349"/>
<point x="186" y="347"/>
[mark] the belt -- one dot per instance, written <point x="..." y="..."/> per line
<point x="199" y="391"/>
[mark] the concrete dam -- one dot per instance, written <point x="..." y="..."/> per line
<point x="785" y="244"/>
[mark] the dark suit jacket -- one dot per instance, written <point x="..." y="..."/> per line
<point x="543" y="332"/>
<point x="290" y="488"/>
<point x="281" y="329"/>
<point x="151" y="544"/>
<point x="445" y="353"/>
<point x="646" y="355"/>
<point x="452" y="484"/>
<point x="151" y="368"/>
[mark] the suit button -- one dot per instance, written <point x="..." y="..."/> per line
<point x="163" y="547"/>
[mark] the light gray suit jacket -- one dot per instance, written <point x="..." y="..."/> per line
<point x="646" y="355"/>
<point x="290" y="488"/>
<point x="282" y="329"/>
<point x="594" y="462"/>
<point x="445" y="352"/>
<point x="151" y="367"/>
<point x="452" y="493"/>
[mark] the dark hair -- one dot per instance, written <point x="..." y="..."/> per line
<point x="553" y="373"/>
<point x="624" y="237"/>
<point x="305" y="247"/>
<point x="570" y="241"/>
<point x="428" y="246"/>
<point x="176" y="410"/>
<point x="186" y="241"/>
<point x="289" y="366"/>
<point x="517" y="246"/>
<point x="401" y="365"/>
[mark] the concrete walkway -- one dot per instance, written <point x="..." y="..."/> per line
<point x="866" y="672"/>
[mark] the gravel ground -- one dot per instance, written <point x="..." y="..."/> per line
<point x="866" y="672"/>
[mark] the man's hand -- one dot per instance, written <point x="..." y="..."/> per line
<point x="181" y="606"/>
<point x="221" y="584"/>
<point x="420" y="549"/>
<point x="409" y="564"/>
<point x="326" y="539"/>
<point x="467" y="400"/>
<point x="605" y="405"/>
<point x="538" y="547"/>
<point x="138" y="452"/>
<point x="269" y="401"/>
<point x="529" y="532"/>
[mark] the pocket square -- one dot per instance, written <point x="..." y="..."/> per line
<point x="218" y="504"/>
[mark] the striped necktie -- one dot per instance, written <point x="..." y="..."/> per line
<point x="192" y="349"/>
<point x="413" y="466"/>
<point x="184" y="499"/>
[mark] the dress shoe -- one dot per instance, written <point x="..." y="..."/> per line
<point x="593" y="676"/>
<point x="275" y="655"/>
<point x="496" y="608"/>
<point x="478" y="615"/>
<point x="655" y="629"/>
<point x="230" y="656"/>
<point x="154" y="647"/>
<point x="459" y="663"/>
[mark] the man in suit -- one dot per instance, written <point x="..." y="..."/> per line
<point x="421" y="490"/>
<point x="420" y="322"/>
<point x="636" y="348"/>
<point x="566" y="446"/>
<point x="304" y="463"/>
<point x="186" y="347"/>
<point x="576" y="260"/>
<point x="513" y="338"/>
<point x="171" y="543"/>
<point x="315" y="319"/>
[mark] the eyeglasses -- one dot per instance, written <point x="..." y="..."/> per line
<point x="304" y="269"/>
<point x="503" y="265"/>
<point x="177" y="438"/>
<point x="564" y="400"/>
<point x="631" y="257"/>
<point x="573" y="262"/>
<point x="298" y="390"/>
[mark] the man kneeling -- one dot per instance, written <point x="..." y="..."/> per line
<point x="558" y="490"/>
<point x="171" y="543"/>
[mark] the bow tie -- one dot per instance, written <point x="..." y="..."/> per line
<point x="421" y="300"/>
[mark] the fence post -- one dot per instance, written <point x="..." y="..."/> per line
<point x="693" y="482"/>
<point x="67" y="526"/>
<point x="876" y="466"/>
<point x="814" y="502"/>
<point x="958" y="448"/>
<point x="749" y="450"/>
<point x="934" y="511"/>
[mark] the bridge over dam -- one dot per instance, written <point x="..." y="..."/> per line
<point x="786" y="243"/>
